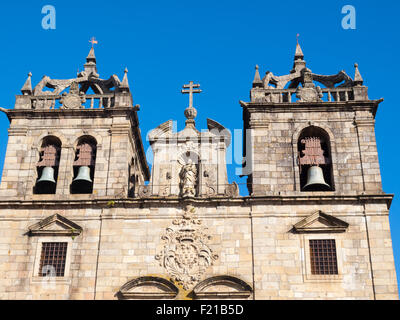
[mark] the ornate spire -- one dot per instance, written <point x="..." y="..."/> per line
<point x="124" y="84"/>
<point x="358" y="79"/>
<point x="90" y="65"/>
<point x="27" y="88"/>
<point x="299" y="53"/>
<point x="299" y="62"/>
<point x="257" y="79"/>
<point x="91" y="58"/>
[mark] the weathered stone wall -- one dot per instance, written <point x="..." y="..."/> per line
<point x="115" y="150"/>
<point x="254" y="242"/>
<point x="274" y="136"/>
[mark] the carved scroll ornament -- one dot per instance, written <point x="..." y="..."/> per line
<point x="186" y="254"/>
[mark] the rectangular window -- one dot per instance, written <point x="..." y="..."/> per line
<point x="323" y="257"/>
<point x="52" y="259"/>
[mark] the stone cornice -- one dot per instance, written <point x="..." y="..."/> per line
<point x="318" y="198"/>
<point x="61" y="113"/>
<point x="364" y="122"/>
<point x="322" y="106"/>
<point x="18" y="131"/>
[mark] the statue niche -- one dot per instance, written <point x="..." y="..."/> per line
<point x="188" y="177"/>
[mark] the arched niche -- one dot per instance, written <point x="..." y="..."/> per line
<point x="189" y="177"/>
<point x="222" y="287"/>
<point x="148" y="287"/>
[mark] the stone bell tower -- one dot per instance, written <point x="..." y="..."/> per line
<point x="304" y="121"/>
<point x="310" y="140"/>
<point x="74" y="138"/>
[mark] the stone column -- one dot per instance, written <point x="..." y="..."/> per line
<point x="65" y="170"/>
<point x="365" y="123"/>
<point x="117" y="180"/>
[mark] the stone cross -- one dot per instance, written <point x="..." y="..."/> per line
<point x="191" y="86"/>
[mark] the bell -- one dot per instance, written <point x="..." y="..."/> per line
<point x="47" y="176"/>
<point x="83" y="175"/>
<point x="315" y="180"/>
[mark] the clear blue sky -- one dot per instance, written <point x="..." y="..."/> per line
<point x="164" y="44"/>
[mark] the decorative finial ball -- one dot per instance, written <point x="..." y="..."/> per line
<point x="256" y="66"/>
<point x="190" y="113"/>
<point x="30" y="74"/>
<point x="356" y="65"/>
<point x="126" y="70"/>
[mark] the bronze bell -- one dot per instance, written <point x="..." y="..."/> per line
<point x="315" y="180"/>
<point x="47" y="176"/>
<point x="83" y="175"/>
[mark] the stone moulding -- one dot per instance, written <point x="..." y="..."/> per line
<point x="320" y="222"/>
<point x="288" y="197"/>
<point x="148" y="287"/>
<point x="319" y="106"/>
<point x="225" y="287"/>
<point x="55" y="225"/>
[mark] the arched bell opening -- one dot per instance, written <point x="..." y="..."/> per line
<point x="315" y="160"/>
<point x="48" y="166"/>
<point x="84" y="166"/>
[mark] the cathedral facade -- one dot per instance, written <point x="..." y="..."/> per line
<point x="82" y="216"/>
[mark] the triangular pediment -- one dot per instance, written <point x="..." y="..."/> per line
<point x="320" y="222"/>
<point x="55" y="225"/>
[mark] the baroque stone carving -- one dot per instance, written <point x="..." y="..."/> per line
<point x="165" y="180"/>
<point x="188" y="179"/>
<point x="56" y="84"/>
<point x="73" y="99"/>
<point x="210" y="182"/>
<point x="186" y="255"/>
<point x="232" y="190"/>
<point x="144" y="191"/>
<point x="309" y="94"/>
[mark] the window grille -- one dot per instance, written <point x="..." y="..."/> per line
<point x="52" y="259"/>
<point x="323" y="257"/>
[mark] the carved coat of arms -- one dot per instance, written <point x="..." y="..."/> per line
<point x="186" y="255"/>
<point x="309" y="94"/>
<point x="73" y="99"/>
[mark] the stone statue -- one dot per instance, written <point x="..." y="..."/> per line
<point x="188" y="179"/>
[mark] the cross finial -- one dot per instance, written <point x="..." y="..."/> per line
<point x="93" y="41"/>
<point x="297" y="37"/>
<point x="191" y="89"/>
